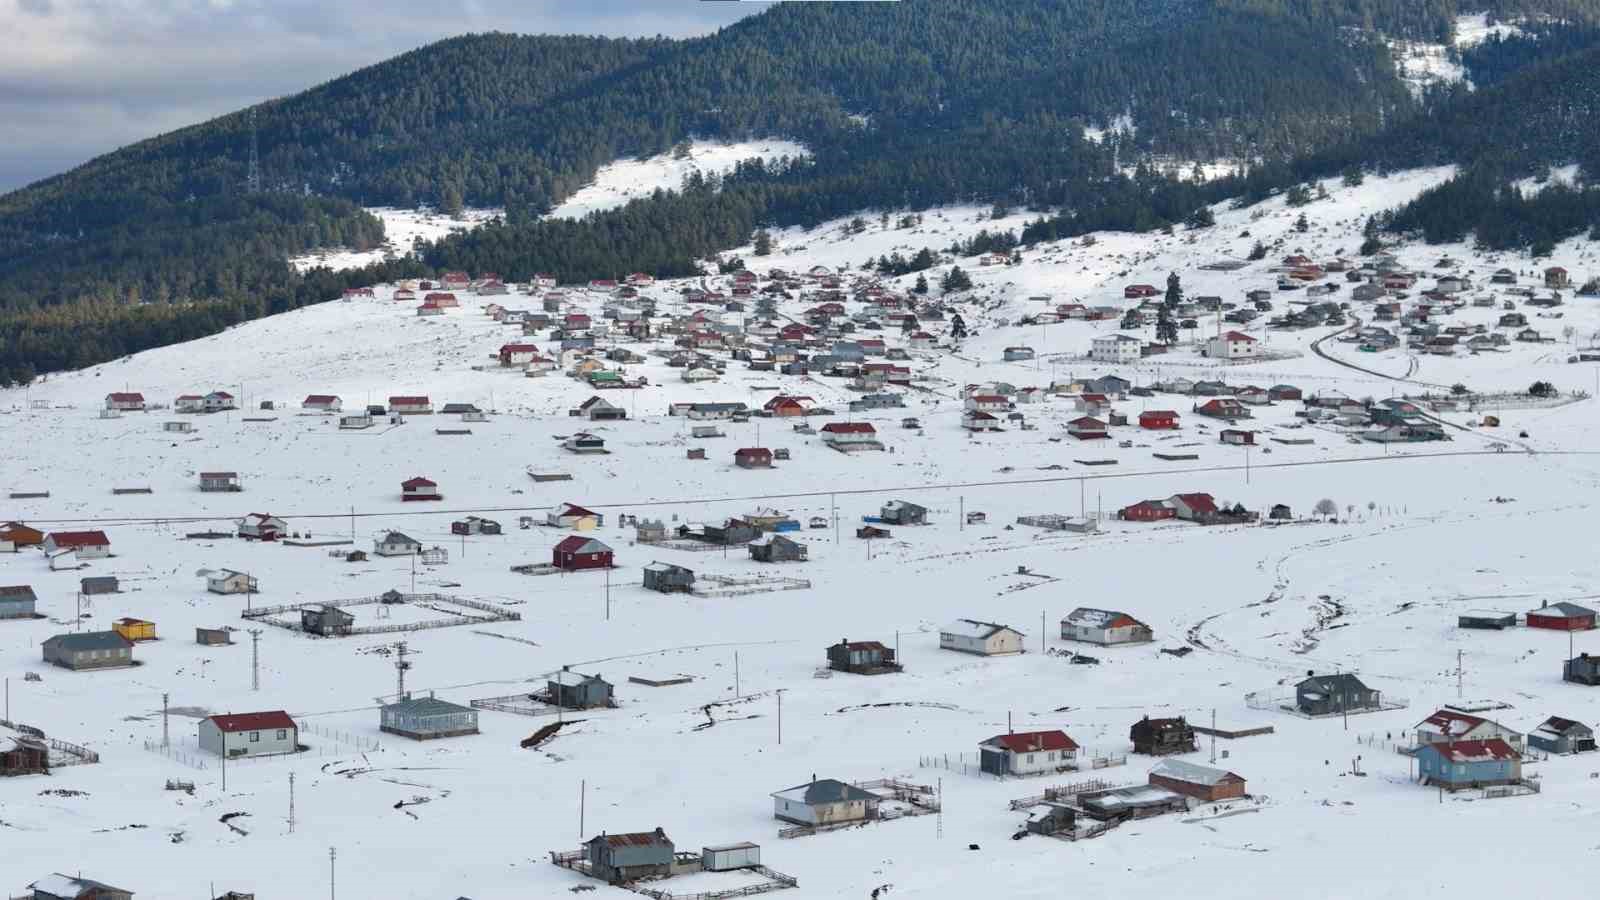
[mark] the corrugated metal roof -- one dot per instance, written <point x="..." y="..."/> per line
<point x="425" y="706"/>
<point x="1033" y="741"/>
<point x="90" y="640"/>
<point x="257" y="721"/>
<point x="827" y="790"/>
<point x="1178" y="770"/>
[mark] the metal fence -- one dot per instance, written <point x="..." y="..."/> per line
<point x="177" y="755"/>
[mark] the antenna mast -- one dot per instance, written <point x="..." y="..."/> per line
<point x="255" y="659"/>
<point x="401" y="665"/>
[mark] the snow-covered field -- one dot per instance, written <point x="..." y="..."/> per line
<point x="402" y="228"/>
<point x="1426" y="531"/>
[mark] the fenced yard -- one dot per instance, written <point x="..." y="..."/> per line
<point x="1283" y="699"/>
<point x="417" y="612"/>
<point x="970" y="763"/>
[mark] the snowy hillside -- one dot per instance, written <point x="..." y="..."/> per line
<point x="1497" y="517"/>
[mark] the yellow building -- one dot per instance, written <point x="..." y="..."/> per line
<point x="135" y="629"/>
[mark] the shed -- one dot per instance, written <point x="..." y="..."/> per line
<point x="578" y="553"/>
<point x="99" y="584"/>
<point x="1562" y="617"/>
<point x="1159" y="737"/>
<point x="753" y="458"/>
<point x="427" y="718"/>
<point x="904" y="512"/>
<point x="23" y="755"/>
<point x="326" y="619"/>
<point x="1200" y="782"/>
<point x="227" y="581"/>
<point x="668" y="579"/>
<point x="825" y="802"/>
<point x="729" y="857"/>
<point x="1319" y="695"/>
<point x="862" y="658"/>
<point x="135" y="629"/>
<point x="618" y="858"/>
<point x="419" y="488"/>
<point x="67" y="887"/>
<point x="212" y="637"/>
<point x="982" y="638"/>
<point x="778" y="549"/>
<point x="1558" y="735"/>
<point x="1582" y="669"/>
<point x="18" y="601"/>
<point x="1487" y="619"/>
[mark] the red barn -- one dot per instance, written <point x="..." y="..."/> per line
<point x="1140" y="291"/>
<point x="1158" y="419"/>
<point x="1086" y="428"/>
<point x="784" y="406"/>
<point x="753" y="458"/>
<point x="1562" y="617"/>
<point x="1147" y="511"/>
<point x="577" y="553"/>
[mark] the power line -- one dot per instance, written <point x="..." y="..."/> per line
<point x="954" y="485"/>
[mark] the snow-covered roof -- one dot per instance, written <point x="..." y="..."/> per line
<point x="1100" y="618"/>
<point x="973" y="628"/>
<point x="827" y="790"/>
<point x="1192" y="773"/>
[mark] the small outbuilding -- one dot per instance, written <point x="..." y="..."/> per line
<point x="731" y="857"/>
<point x="668" y="579"/>
<point x="99" y="584"/>
<point x="1558" y="735"/>
<point x="981" y="638"/>
<point x="1487" y="619"/>
<point x="1160" y="737"/>
<point x="1562" y="617"/>
<point x="18" y="601"/>
<point x="574" y="690"/>
<point x="620" y="858"/>
<point x="778" y="549"/>
<point x="1203" y="783"/>
<point x="427" y="718"/>
<point x="135" y="629"/>
<point x="862" y="658"/>
<point x="326" y="619"/>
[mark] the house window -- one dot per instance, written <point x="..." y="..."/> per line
<point x="1461" y="770"/>
<point x="1030" y="757"/>
<point x="255" y="736"/>
<point x="283" y="734"/>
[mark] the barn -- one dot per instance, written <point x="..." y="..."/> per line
<point x="419" y="488"/>
<point x="577" y="553"/>
<point x="1158" y="419"/>
<point x="1562" y="617"/>
<point x="1147" y="511"/>
<point x="1200" y="782"/>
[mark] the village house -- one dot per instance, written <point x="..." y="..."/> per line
<point x="1104" y="627"/>
<point x="1556" y="278"/>
<point x="577" y="553"/>
<point x="1027" y="753"/>
<point x="227" y="581"/>
<point x="408" y="405"/>
<point x="978" y="420"/>
<point x="981" y="638"/>
<point x="249" y="734"/>
<point x="19" y="535"/>
<point x="1238" y="437"/>
<point x="1160" y="737"/>
<point x="666" y="578"/>
<point x="84" y="650"/>
<point x="1223" y="408"/>
<point x="862" y="658"/>
<point x="626" y="858"/>
<point x="575" y="517"/>
<point x="326" y="620"/>
<point x="848" y="436"/>
<point x="574" y="690"/>
<point x="1447" y="725"/>
<point x="475" y="525"/>
<point x="87" y="544"/>
<point x="23" y="755"/>
<point x="419" y="488"/>
<point x="902" y="512"/>
<point x="1086" y="428"/>
<point x="599" y="409"/>
<point x="1561" y="617"/>
<point x="584" y="443"/>
<point x="1562" y="736"/>
<point x="125" y="401"/>
<point x="189" y="403"/>
<point x="753" y="458"/>
<point x="517" y="354"/>
<point x="396" y="544"/>
<point x="1147" y="511"/>
<point x="1193" y="507"/>
<point x="1323" y="695"/>
<point x="1468" y="764"/>
<point x="1232" y="345"/>
<point x="67" y="887"/>
<point x="427" y="718"/>
<point x="262" y="527"/>
<point x="825" y="802"/>
<point x="99" y="584"/>
<point x="212" y="637"/>
<point x="322" y="404"/>
<point x="1202" y="783"/>
<point x="18" y="601"/>
<point x="1486" y="619"/>
<point x="1158" y="420"/>
<point x="779" y="549"/>
<point x="219" y="482"/>
<point x="1116" y="349"/>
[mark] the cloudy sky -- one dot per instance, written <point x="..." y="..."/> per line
<point x="81" y="77"/>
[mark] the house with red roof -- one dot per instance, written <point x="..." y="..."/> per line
<point x="1028" y="753"/>
<point x="419" y="488"/>
<point x="189" y="403"/>
<point x="455" y="280"/>
<point x="753" y="458"/>
<point x="88" y="544"/>
<point x="441" y="300"/>
<point x="1460" y="765"/>
<point x="321" y="403"/>
<point x="1087" y="428"/>
<point x="233" y="735"/>
<point x="1223" y="408"/>
<point x="989" y="403"/>
<point x="1449" y="725"/>
<point x="784" y="405"/>
<point x="125" y="401"/>
<point x="578" y="553"/>
<point x="1561" y="617"/>
<point x="1193" y="507"/>
<point x="1232" y="345"/>
<point x="571" y="515"/>
<point x="262" y="527"/>
<point x="849" y="436"/>
<point x="518" y="354"/>
<point x="1140" y="291"/>
<point x="978" y="420"/>
<point x="408" y="405"/>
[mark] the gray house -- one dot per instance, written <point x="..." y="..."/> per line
<point x="427" y="718"/>
<point x="1582" y="669"/>
<point x="618" y="858"/>
<point x="67" y="887"/>
<point x="326" y="619"/>
<point x="1323" y="695"/>
<point x="668" y="579"/>
<point x="862" y="658"/>
<point x="1487" y="619"/>
<point x="1558" y="735"/>
<point x="99" y="584"/>
<point x="877" y="401"/>
<point x="574" y="690"/>
<point x="901" y="512"/>
<point x="18" y="602"/>
<point x="89" y="650"/>
<point x="779" y="549"/>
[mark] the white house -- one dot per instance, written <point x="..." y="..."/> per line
<point x="87" y="544"/>
<point x="227" y="581"/>
<point x="1448" y="725"/>
<point x="978" y="420"/>
<point x="396" y="544"/>
<point x="982" y="638"/>
<point x="321" y="403"/>
<point x="1116" y="348"/>
<point x="189" y="403"/>
<point x="249" y="734"/>
<point x="825" y="802"/>
<point x="262" y="527"/>
<point x="1232" y="345"/>
<point x="850" y="436"/>
<point x="1027" y="753"/>
<point x="989" y="403"/>
<point x="571" y="515"/>
<point x="1104" y="627"/>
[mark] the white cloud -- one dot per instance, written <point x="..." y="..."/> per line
<point x="82" y="77"/>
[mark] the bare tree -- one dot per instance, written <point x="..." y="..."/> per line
<point x="1326" y="508"/>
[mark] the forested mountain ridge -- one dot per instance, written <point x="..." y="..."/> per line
<point x="903" y="105"/>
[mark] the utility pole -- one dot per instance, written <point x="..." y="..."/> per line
<point x="165" y="736"/>
<point x="401" y="666"/>
<point x="962" y="515"/>
<point x="608" y="593"/>
<point x="1042" y="632"/>
<point x="291" y="803"/>
<point x="333" y="856"/>
<point x="1458" y="674"/>
<point x="833" y="512"/>
<point x="583" y="792"/>
<point x="780" y="717"/>
<point x="255" y="659"/>
<point x="736" y="693"/>
<point x="1213" y="735"/>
